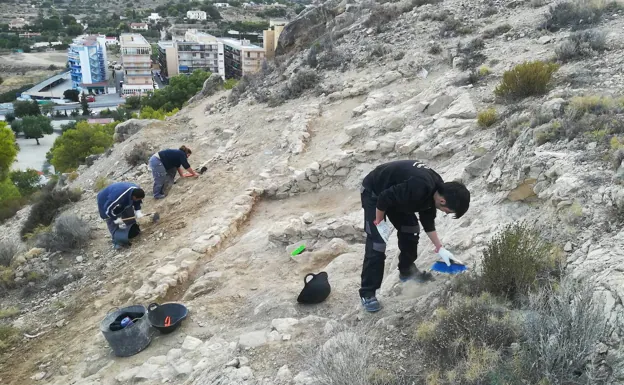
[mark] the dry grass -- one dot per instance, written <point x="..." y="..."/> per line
<point x="69" y="232"/>
<point x="581" y="45"/>
<point x="577" y="14"/>
<point x="101" y="183"/>
<point x="9" y="312"/>
<point x="8" y="250"/>
<point x="140" y="154"/>
<point x="487" y="118"/>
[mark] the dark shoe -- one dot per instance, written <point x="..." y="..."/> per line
<point x="413" y="274"/>
<point x="159" y="196"/>
<point x="371" y="304"/>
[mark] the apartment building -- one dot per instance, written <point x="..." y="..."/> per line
<point x="271" y="37"/>
<point x="139" y="26"/>
<point x="137" y="64"/>
<point x="241" y="57"/>
<point x="198" y="50"/>
<point x="196" y="15"/>
<point x="87" y="64"/>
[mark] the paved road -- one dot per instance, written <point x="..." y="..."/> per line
<point x="110" y="101"/>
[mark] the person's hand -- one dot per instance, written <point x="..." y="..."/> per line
<point x="138" y="214"/>
<point x="118" y="222"/>
<point x="437" y="248"/>
<point x="379" y="217"/>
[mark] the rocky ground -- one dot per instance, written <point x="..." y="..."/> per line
<point x="279" y="176"/>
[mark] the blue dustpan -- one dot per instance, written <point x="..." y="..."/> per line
<point x="455" y="268"/>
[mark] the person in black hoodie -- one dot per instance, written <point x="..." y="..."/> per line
<point x="398" y="190"/>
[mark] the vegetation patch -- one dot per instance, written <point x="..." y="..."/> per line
<point x="577" y="14"/>
<point x="581" y="45"/>
<point x="487" y="118"/>
<point x="47" y="207"/>
<point x="526" y="79"/>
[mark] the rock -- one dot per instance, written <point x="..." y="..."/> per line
<point x="79" y="259"/>
<point x="174" y="354"/>
<point x="567" y="247"/>
<point x="284" y="325"/>
<point x="253" y="339"/>
<point x="211" y="85"/>
<point x="523" y="191"/>
<point x="39" y="376"/>
<point x="371" y="146"/>
<point x="394" y="123"/>
<point x="545" y="39"/>
<point x="304" y="378"/>
<point x="245" y="373"/>
<point x="130" y="127"/>
<point x="439" y="104"/>
<point x="234" y="363"/>
<point x="183" y="368"/>
<point x="127" y="375"/>
<point x="146" y="372"/>
<point x="284" y="376"/>
<point x="462" y="108"/>
<point x="307" y="218"/>
<point x="478" y="166"/>
<point x="355" y="129"/>
<point x="90" y="160"/>
<point x="158" y="360"/>
<point x="307" y="27"/>
<point x="191" y="343"/>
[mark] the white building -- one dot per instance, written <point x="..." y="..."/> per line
<point x="196" y="15"/>
<point x="139" y="26"/>
<point x="221" y="5"/>
<point x="137" y="64"/>
<point x="154" y="17"/>
<point x="87" y="58"/>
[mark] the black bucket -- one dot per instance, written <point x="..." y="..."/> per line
<point x="133" y="338"/>
<point x="315" y="290"/>
<point x="132" y="230"/>
<point x="166" y="317"/>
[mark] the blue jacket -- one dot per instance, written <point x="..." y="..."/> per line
<point x="115" y="199"/>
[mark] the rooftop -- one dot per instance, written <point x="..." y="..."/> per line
<point x="241" y="44"/>
<point x="165" y="44"/>
<point x="132" y="40"/>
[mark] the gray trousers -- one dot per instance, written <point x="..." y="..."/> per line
<point x="163" y="179"/>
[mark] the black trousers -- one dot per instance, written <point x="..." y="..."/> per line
<point x="407" y="227"/>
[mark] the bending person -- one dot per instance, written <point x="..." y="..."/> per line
<point x="114" y="200"/>
<point x="164" y="165"/>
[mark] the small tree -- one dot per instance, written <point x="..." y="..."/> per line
<point x="84" y="104"/>
<point x="72" y="95"/>
<point x="16" y="126"/>
<point x="47" y="108"/>
<point x="36" y="126"/>
<point x="27" y="182"/>
<point x="8" y="150"/>
<point x="26" y="108"/>
<point x="9" y="117"/>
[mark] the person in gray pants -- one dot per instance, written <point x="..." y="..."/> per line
<point x="164" y="165"/>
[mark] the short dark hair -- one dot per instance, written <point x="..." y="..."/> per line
<point x="138" y="193"/>
<point x="457" y="197"/>
<point x="186" y="150"/>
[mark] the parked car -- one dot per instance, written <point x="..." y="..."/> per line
<point x="90" y="98"/>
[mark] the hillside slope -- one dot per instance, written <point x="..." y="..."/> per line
<point x="284" y="166"/>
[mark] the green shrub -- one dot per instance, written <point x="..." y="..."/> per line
<point x="101" y="183"/>
<point x="229" y="84"/>
<point x="9" y="207"/>
<point x="150" y="113"/>
<point x="514" y="260"/>
<point x="180" y="89"/>
<point x="463" y="342"/>
<point x="487" y="118"/>
<point x="75" y="145"/>
<point x="47" y="207"/>
<point x="8" y="337"/>
<point x="27" y="182"/>
<point x="496" y="31"/>
<point x="526" y="79"/>
<point x="8" y="149"/>
<point x="9" y="312"/>
<point x="7" y="278"/>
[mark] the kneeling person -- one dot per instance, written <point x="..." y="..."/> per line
<point x="114" y="200"/>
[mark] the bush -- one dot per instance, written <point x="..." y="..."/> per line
<point x="9" y="312"/>
<point x="576" y="14"/>
<point x="563" y="327"/>
<point x="514" y="260"/>
<point x="47" y="207"/>
<point x="526" y="79"/>
<point x="8" y="337"/>
<point x="344" y="359"/>
<point x="69" y="233"/>
<point x="27" y="182"/>
<point x="60" y="280"/>
<point x="180" y="89"/>
<point x="74" y="146"/>
<point x="298" y="84"/>
<point x="435" y="49"/>
<point x="8" y="250"/>
<point x="462" y="344"/>
<point x="9" y="207"/>
<point x="150" y="113"/>
<point x="580" y="45"/>
<point x="381" y="15"/>
<point x="487" y="118"/>
<point x="133" y="102"/>
<point x="8" y="149"/>
<point x="496" y="31"/>
<point x="453" y="27"/>
<point x="140" y="154"/>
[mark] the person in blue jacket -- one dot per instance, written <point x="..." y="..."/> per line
<point x="164" y="165"/>
<point x="114" y="200"/>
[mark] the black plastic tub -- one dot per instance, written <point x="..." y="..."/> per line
<point x="131" y="339"/>
<point x="167" y="317"/>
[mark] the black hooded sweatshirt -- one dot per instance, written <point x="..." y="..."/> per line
<point x="405" y="186"/>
